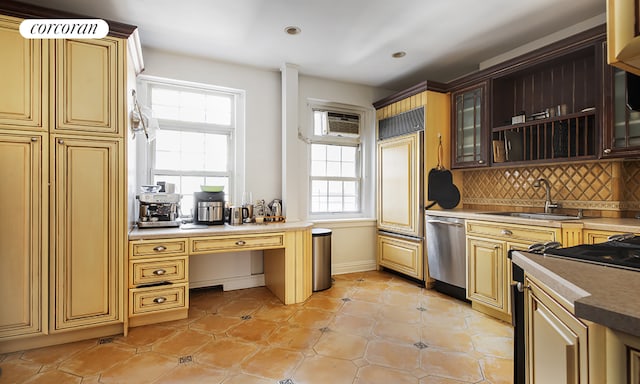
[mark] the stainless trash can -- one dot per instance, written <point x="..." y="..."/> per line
<point x="321" y="251"/>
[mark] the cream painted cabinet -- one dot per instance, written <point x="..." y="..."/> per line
<point x="488" y="267"/>
<point x="402" y="255"/>
<point x="560" y="347"/>
<point x="594" y="236"/>
<point x="87" y="232"/>
<point x="623" y="34"/>
<point x="88" y="75"/>
<point x="399" y="184"/>
<point x="23" y="75"/>
<point x="23" y="235"/>
<point x="486" y="272"/>
<point x="623" y="358"/>
<point x="555" y="341"/>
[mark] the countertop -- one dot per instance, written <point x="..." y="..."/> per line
<point x="601" y="294"/>
<point x="603" y="224"/>
<point x="216" y="230"/>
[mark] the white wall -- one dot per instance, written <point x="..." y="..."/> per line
<point x="353" y="242"/>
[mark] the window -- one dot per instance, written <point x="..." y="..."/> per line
<point x="194" y="144"/>
<point x="335" y="171"/>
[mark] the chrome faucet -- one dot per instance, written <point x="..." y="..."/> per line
<point x="548" y="204"/>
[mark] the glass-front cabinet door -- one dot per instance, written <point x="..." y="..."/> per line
<point x="469" y="127"/>
<point x="622" y="137"/>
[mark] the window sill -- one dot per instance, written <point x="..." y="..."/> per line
<point x="346" y="222"/>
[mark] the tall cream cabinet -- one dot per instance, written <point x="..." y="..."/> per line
<point x="402" y="166"/>
<point x="62" y="162"/>
<point x="87" y="231"/>
<point x="23" y="234"/>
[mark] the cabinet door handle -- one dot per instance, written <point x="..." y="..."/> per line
<point x="607" y="151"/>
<point x="159" y="300"/>
<point x="506" y="232"/>
<point x="160" y="248"/>
<point x="60" y="141"/>
<point x="480" y="161"/>
<point x="241" y="242"/>
<point x="34" y="139"/>
<point x="159" y="272"/>
<point x="521" y="287"/>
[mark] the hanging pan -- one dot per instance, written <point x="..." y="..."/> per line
<point x="441" y="189"/>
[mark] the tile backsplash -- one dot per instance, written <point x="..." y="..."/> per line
<point x="600" y="188"/>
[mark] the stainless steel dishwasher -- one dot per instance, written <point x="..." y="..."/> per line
<point x="446" y="254"/>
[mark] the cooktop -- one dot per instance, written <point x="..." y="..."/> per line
<point x="621" y="253"/>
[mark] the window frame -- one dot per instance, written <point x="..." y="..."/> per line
<point x="234" y="132"/>
<point x="357" y="142"/>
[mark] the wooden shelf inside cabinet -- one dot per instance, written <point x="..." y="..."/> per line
<point x="560" y="138"/>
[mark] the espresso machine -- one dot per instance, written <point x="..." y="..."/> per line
<point x="208" y="208"/>
<point x="158" y="209"/>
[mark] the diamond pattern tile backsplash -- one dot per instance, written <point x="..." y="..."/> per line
<point x="610" y="186"/>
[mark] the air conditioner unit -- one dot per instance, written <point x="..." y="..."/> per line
<point x="342" y="124"/>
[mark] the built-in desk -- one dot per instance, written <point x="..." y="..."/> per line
<point x="158" y="280"/>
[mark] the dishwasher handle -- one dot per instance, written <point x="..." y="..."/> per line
<point x="446" y="223"/>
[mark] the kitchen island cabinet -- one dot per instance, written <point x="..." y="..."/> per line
<point x="159" y="263"/>
<point x="560" y="347"/>
<point x="601" y="298"/>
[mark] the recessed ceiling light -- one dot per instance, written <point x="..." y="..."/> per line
<point x="292" y="30"/>
<point x="399" y="54"/>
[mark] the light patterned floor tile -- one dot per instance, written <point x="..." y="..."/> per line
<point x="365" y="329"/>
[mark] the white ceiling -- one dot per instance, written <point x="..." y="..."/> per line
<point x="350" y="40"/>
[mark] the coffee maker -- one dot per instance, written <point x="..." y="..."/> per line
<point x="158" y="210"/>
<point x="208" y="208"/>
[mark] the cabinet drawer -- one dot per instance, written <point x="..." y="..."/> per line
<point x="526" y="233"/>
<point x="401" y="255"/>
<point x="172" y="269"/>
<point x="148" y="300"/>
<point x="156" y="248"/>
<point x="236" y="243"/>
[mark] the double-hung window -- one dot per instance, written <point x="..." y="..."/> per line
<point x="335" y="170"/>
<point x="194" y="144"/>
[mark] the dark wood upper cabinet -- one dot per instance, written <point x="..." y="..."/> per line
<point x="469" y="128"/>
<point x="621" y="130"/>
<point x="558" y="105"/>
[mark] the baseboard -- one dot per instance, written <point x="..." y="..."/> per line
<point x="354" y="266"/>
<point x="231" y="283"/>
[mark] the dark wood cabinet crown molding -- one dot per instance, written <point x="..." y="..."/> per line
<point x="30" y="11"/>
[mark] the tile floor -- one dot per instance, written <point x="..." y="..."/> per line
<point x="370" y="327"/>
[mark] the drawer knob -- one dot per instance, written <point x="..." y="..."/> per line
<point x="159" y="272"/>
<point x="160" y="248"/>
<point x="241" y="242"/>
<point x="159" y="300"/>
<point x="506" y="232"/>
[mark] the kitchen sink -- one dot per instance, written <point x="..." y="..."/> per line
<point x="536" y="216"/>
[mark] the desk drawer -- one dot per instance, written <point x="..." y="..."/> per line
<point x="236" y="243"/>
<point x="149" y="300"/>
<point x="529" y="234"/>
<point x="157" y="248"/>
<point x="173" y="269"/>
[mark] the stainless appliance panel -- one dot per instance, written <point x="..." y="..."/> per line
<point x="446" y="250"/>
